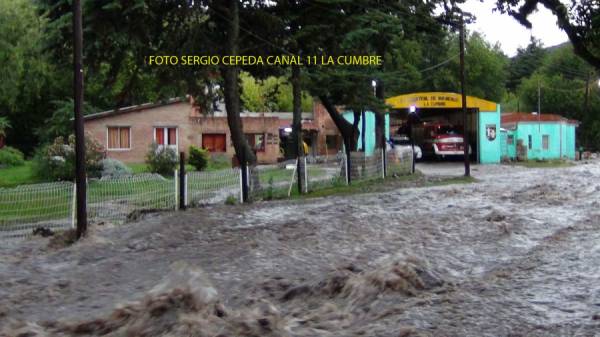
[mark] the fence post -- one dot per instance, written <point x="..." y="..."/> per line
<point x="412" y="161"/>
<point x="346" y="163"/>
<point x="182" y="184"/>
<point x="176" y="182"/>
<point x="186" y="190"/>
<point x="74" y="205"/>
<point x="305" y="176"/>
<point x="383" y="163"/>
<point x="244" y="178"/>
<point x="384" y="150"/>
<point x="241" y="186"/>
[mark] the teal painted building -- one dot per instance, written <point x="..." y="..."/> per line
<point x="489" y="142"/>
<point x="369" y="123"/>
<point x="483" y="118"/>
<point x="539" y="137"/>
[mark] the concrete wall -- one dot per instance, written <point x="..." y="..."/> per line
<point x="490" y="151"/>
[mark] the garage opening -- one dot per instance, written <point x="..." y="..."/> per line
<point x="435" y="121"/>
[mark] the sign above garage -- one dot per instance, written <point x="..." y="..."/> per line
<point x="441" y="100"/>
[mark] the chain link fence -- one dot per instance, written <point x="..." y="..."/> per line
<point x="324" y="172"/>
<point x="366" y="167"/>
<point x="118" y="200"/>
<point x="399" y="162"/>
<point x="27" y="207"/>
<point x="214" y="187"/>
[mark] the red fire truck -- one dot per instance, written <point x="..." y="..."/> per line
<point x="440" y="140"/>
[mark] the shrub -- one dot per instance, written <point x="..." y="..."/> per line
<point x="219" y="162"/>
<point x="112" y="168"/>
<point x="161" y="159"/>
<point x="231" y="200"/>
<point x="9" y="156"/>
<point x="198" y="158"/>
<point x="56" y="161"/>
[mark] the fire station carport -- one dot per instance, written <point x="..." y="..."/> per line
<point x="483" y="118"/>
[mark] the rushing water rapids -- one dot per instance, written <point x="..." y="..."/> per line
<point x="515" y="254"/>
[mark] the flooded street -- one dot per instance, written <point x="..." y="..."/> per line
<point x="515" y="254"/>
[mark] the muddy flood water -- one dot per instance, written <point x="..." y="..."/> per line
<point x="515" y="254"/>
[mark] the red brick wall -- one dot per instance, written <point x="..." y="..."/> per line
<point x="326" y="128"/>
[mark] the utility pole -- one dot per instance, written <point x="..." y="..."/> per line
<point x="587" y="92"/>
<point x="539" y="108"/>
<point x="80" y="176"/>
<point x="464" y="98"/>
<point x="297" y="127"/>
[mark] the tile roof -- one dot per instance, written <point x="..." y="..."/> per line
<point x="515" y="117"/>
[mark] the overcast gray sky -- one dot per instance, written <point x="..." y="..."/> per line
<point x="506" y="30"/>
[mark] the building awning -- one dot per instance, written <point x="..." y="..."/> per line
<point x="439" y="100"/>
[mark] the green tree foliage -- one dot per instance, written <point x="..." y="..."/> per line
<point x="199" y="158"/>
<point x="60" y="124"/>
<point x="485" y="68"/>
<point x="579" y="19"/>
<point x="28" y="77"/>
<point x="4" y="126"/>
<point x="9" y="156"/>
<point x="568" y="87"/>
<point x="525" y="63"/>
<point x="273" y="94"/>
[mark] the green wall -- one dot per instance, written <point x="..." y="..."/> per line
<point x="490" y="151"/>
<point x="370" y="129"/>
<point x="561" y="140"/>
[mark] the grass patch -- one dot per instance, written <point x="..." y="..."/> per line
<point x="366" y="186"/>
<point x="18" y="175"/>
<point x="554" y="163"/>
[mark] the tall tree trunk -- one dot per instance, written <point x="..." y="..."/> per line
<point x="348" y="130"/>
<point x="355" y="122"/>
<point x="231" y="89"/>
<point x="297" y="124"/>
<point x="380" y="118"/>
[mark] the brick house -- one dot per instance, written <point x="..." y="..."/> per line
<point x="127" y="133"/>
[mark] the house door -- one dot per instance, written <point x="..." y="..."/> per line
<point x="214" y="142"/>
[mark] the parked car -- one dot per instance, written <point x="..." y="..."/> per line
<point x="442" y="140"/>
<point x="401" y="144"/>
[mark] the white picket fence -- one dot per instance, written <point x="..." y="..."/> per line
<point x="118" y="200"/>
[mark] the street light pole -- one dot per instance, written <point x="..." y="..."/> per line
<point x="80" y="179"/>
<point x="464" y="98"/>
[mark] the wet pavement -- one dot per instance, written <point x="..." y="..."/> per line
<point x="514" y="254"/>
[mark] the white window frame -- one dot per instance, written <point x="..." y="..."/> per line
<point x="547" y="137"/>
<point x="166" y="135"/>
<point x="118" y="127"/>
